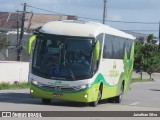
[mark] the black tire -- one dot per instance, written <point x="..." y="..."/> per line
<point x="110" y="100"/>
<point x="118" y="98"/>
<point x="95" y="103"/>
<point x="46" y="101"/>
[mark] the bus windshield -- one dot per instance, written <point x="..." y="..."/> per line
<point x="64" y="58"/>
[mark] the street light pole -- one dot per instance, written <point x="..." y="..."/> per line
<point x="17" y="35"/>
<point x="159" y="34"/>
<point x="20" y="45"/>
<point x="104" y="11"/>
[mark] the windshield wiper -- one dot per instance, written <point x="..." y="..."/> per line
<point x="65" y="61"/>
<point x="72" y="75"/>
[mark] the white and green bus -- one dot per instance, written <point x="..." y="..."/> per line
<point x="80" y="61"/>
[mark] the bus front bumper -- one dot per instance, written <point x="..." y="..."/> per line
<point x="87" y="95"/>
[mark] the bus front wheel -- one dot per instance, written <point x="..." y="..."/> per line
<point x="95" y="103"/>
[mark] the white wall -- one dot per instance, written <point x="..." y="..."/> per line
<point x="155" y="76"/>
<point x="11" y="71"/>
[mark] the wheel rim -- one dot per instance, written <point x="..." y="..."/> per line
<point x="99" y="95"/>
<point x="98" y="98"/>
<point x="121" y="93"/>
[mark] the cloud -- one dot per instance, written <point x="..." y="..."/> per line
<point x="134" y="4"/>
<point x="115" y="17"/>
<point x="7" y="7"/>
<point x="120" y="10"/>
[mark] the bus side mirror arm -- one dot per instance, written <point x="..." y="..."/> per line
<point x="29" y="44"/>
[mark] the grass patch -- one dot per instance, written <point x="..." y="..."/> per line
<point x="8" y="86"/>
<point x="141" y="80"/>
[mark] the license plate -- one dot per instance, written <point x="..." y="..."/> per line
<point x="57" y="95"/>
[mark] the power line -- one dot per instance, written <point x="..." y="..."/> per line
<point x="142" y="30"/>
<point x="61" y="13"/>
<point x="45" y="10"/>
<point x="132" y="22"/>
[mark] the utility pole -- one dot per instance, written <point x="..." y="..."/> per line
<point x="17" y="34"/>
<point x="20" y="44"/>
<point x="29" y="24"/>
<point x="104" y="11"/>
<point x="159" y="34"/>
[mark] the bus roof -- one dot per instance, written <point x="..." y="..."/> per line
<point x="81" y="29"/>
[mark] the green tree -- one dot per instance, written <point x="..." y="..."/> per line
<point x="138" y="62"/>
<point x="147" y="56"/>
<point x="3" y="44"/>
<point x="151" y="58"/>
<point x="150" y="39"/>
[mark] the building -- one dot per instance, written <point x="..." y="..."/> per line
<point x="8" y="30"/>
<point x="36" y="20"/>
<point x="157" y="42"/>
<point x="139" y="36"/>
<point x="8" y="20"/>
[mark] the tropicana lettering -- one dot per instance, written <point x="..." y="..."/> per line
<point x="113" y="73"/>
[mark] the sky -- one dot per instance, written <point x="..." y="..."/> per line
<point x="117" y="10"/>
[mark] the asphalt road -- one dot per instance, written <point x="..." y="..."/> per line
<point x="142" y="97"/>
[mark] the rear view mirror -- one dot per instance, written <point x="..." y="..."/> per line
<point x="132" y="52"/>
<point x="29" y="44"/>
<point x="96" y="51"/>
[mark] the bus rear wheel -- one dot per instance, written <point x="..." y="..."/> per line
<point x="118" y="98"/>
<point x="46" y="101"/>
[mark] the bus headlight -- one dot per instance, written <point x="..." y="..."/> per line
<point x="34" y="82"/>
<point x="82" y="86"/>
<point x="86" y="96"/>
<point x="37" y="83"/>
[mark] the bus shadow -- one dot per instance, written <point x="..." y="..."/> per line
<point x="155" y="90"/>
<point x="17" y="98"/>
<point x="25" y="98"/>
<point x="68" y="103"/>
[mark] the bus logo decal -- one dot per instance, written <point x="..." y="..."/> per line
<point x="57" y="88"/>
